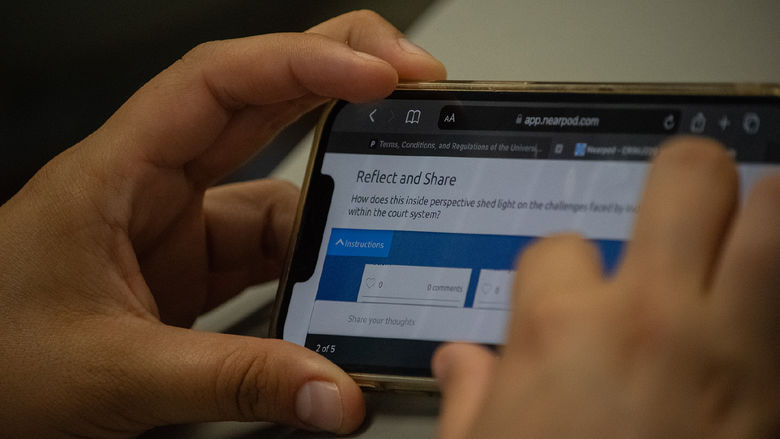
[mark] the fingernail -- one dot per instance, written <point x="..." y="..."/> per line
<point x="368" y="56"/>
<point x="410" y="47"/>
<point x="318" y="404"/>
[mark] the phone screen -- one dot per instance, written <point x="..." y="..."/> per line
<point x="419" y="205"/>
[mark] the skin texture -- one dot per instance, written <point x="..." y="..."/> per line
<point x="118" y="244"/>
<point x="680" y="342"/>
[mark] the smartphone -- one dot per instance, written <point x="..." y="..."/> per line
<point x="415" y="207"/>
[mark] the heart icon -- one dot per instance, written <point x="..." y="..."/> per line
<point x="486" y="288"/>
<point x="370" y="281"/>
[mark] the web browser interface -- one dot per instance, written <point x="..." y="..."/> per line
<point x="433" y="199"/>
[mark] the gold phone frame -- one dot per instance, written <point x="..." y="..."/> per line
<point x="373" y="381"/>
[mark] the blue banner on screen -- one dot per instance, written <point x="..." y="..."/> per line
<point x="344" y="263"/>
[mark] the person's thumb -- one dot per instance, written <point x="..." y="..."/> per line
<point x="463" y="372"/>
<point x="185" y="376"/>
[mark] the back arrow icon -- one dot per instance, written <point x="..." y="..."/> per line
<point x="371" y="115"/>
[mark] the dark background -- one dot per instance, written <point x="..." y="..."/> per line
<point x="69" y="65"/>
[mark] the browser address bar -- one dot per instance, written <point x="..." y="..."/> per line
<point x="563" y="119"/>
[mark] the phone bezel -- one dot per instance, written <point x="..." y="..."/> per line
<point x="380" y="381"/>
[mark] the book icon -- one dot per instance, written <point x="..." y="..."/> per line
<point x="579" y="149"/>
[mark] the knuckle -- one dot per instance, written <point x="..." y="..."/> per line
<point x="284" y="189"/>
<point x="289" y="187"/>
<point x="202" y="50"/>
<point x="654" y="326"/>
<point x="365" y="15"/>
<point x="306" y="43"/>
<point x="284" y="199"/>
<point x="243" y="385"/>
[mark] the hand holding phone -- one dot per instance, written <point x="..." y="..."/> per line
<point x="117" y="243"/>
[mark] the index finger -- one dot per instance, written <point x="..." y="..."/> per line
<point x="686" y="208"/>
<point x="181" y="112"/>
<point x="368" y="32"/>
